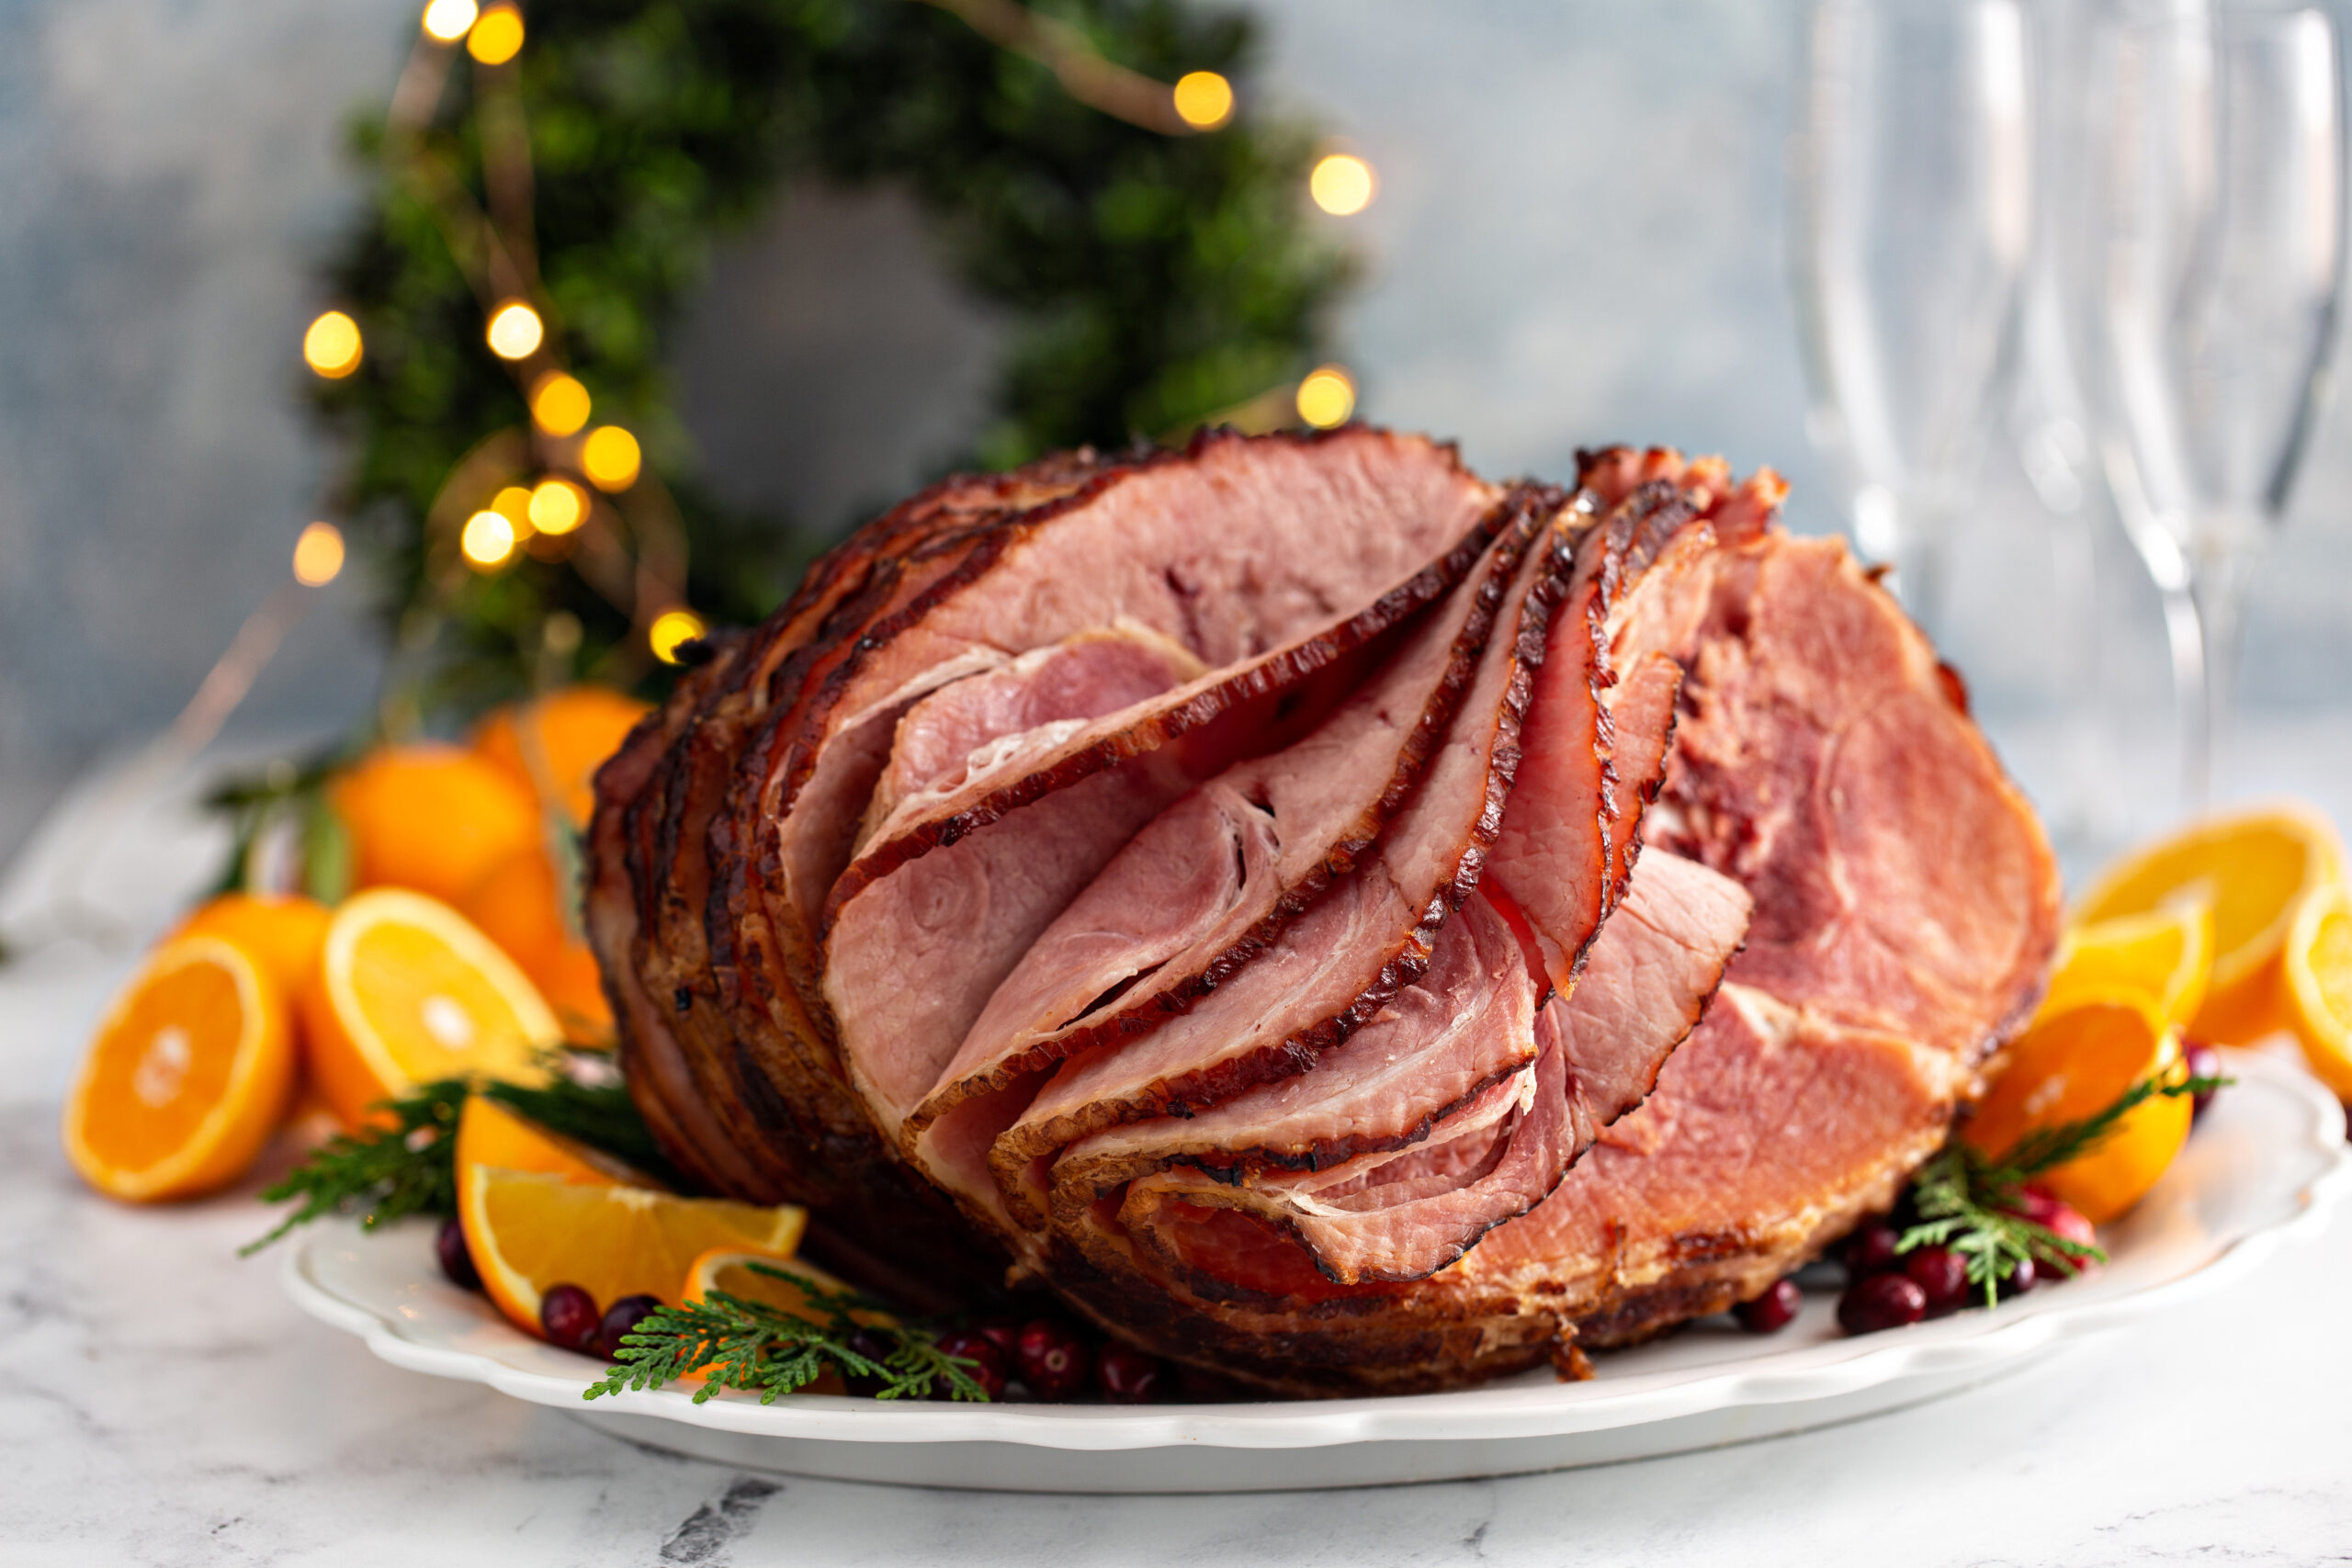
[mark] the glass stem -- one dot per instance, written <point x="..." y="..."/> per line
<point x="2217" y="591"/>
<point x="2185" y="635"/>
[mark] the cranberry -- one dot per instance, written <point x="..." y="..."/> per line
<point x="1881" y="1301"/>
<point x="1941" y="1275"/>
<point x="457" y="1261"/>
<point x="2020" y="1280"/>
<point x="2035" y="1203"/>
<point x="2202" y="1062"/>
<point x="1871" y="1250"/>
<point x="1772" y="1310"/>
<point x="1128" y="1376"/>
<point x="622" y="1318"/>
<point x="567" y="1316"/>
<point x="873" y="1348"/>
<point x="988" y="1361"/>
<point x="1005" y="1334"/>
<point x="1053" y="1360"/>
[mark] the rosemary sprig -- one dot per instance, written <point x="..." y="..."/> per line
<point x="1968" y="1201"/>
<point x="409" y="1167"/>
<point x="730" y="1342"/>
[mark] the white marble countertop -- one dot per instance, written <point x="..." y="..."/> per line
<point x="161" y="1402"/>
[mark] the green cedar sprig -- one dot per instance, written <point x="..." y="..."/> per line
<point x="735" y="1343"/>
<point x="1967" y="1200"/>
<point x="388" y="1173"/>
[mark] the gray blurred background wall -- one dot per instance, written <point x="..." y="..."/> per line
<point x="1577" y="238"/>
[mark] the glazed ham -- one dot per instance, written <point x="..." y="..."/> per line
<point x="1212" y="885"/>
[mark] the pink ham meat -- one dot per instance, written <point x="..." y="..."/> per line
<point x="1450" y="1064"/>
<point x="1214" y="881"/>
<point x="1210" y="883"/>
<point x="915" y="954"/>
<point x="1332" y="968"/>
<point x="980" y="727"/>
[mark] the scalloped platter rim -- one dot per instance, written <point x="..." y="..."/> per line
<point x="2267" y="1164"/>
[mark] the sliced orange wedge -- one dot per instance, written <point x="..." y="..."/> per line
<point x="188" y="1077"/>
<point x="2073" y="1062"/>
<point x="530" y="1231"/>
<point x="2251" y="870"/>
<point x="406" y="992"/>
<point x="2318" y="968"/>
<point x="284" y="931"/>
<point x="2166" y="955"/>
<point x="489" y="1135"/>
<point x="729" y="1270"/>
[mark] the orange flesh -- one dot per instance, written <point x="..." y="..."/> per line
<point x="162" y="1071"/>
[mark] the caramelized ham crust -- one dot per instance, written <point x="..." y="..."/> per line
<point x="1214" y="883"/>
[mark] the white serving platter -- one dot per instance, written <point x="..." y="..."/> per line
<point x="2266" y="1165"/>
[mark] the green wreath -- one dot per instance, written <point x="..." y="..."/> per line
<point x="1160" y="278"/>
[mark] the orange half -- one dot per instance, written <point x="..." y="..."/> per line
<point x="2318" y="968"/>
<point x="407" y="991"/>
<point x="188" y="1077"/>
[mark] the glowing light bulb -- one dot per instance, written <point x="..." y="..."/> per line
<point x="671" y="631"/>
<point x="514" y="503"/>
<point x="1203" y="99"/>
<point x="611" y="458"/>
<point x="558" y="403"/>
<point x="1341" y="185"/>
<point x="446" y="21"/>
<point x="497" y="35"/>
<point x="1326" y="397"/>
<point x="332" y="346"/>
<point x="318" y="555"/>
<point x="488" y="540"/>
<point x="558" y="506"/>
<point x="514" y="331"/>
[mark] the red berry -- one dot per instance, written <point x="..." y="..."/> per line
<point x="979" y="1347"/>
<point x="1941" y="1275"/>
<point x="2202" y="1062"/>
<point x="1881" y="1301"/>
<point x="1772" y="1310"/>
<point x="457" y="1261"/>
<point x="2020" y="1280"/>
<point x="622" y="1318"/>
<point x="1005" y="1334"/>
<point x="567" y="1316"/>
<point x="875" y="1348"/>
<point x="1127" y="1375"/>
<point x="1053" y="1360"/>
<point x="1871" y="1250"/>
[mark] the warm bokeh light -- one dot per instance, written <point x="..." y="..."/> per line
<point x="558" y="506"/>
<point x="1203" y="99"/>
<point x="497" y="35"/>
<point x="488" y="540"/>
<point x="559" y="404"/>
<point x="514" y="503"/>
<point x="332" y="346"/>
<point x="318" y="555"/>
<point x="446" y="21"/>
<point x="1342" y="184"/>
<point x="610" y="458"/>
<point x="1326" y="397"/>
<point x="670" y="631"/>
<point x="514" y="331"/>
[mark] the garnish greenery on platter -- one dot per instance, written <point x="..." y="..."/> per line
<point x="1970" y="1201"/>
<point x="732" y="1342"/>
<point x="409" y="1167"/>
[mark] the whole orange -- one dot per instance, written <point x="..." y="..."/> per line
<point x="519" y="906"/>
<point x="566" y="736"/>
<point x="285" y="931"/>
<point x="432" y="818"/>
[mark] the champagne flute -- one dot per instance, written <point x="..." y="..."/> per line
<point x="2215" y="272"/>
<point x="1911" y="186"/>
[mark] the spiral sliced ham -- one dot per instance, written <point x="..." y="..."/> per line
<point x="1213" y="883"/>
